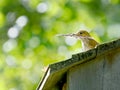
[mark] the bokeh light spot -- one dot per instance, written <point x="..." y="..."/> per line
<point x="10" y="17"/>
<point x="70" y="41"/>
<point x="22" y="21"/>
<point x="9" y="45"/>
<point x="26" y="64"/>
<point x="42" y="7"/>
<point x="113" y="31"/>
<point x="10" y="60"/>
<point x="13" y="32"/>
<point x="34" y="42"/>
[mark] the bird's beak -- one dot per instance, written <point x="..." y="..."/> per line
<point x="75" y="35"/>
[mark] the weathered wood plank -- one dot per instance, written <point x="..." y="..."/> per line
<point x="102" y="73"/>
<point x="86" y="76"/>
<point x="112" y="71"/>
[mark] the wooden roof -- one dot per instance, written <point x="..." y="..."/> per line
<point x="55" y="72"/>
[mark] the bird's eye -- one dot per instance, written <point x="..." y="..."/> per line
<point x="81" y="33"/>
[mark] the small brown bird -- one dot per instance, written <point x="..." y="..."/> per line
<point x="87" y="41"/>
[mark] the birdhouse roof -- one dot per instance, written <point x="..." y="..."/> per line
<point x="55" y="72"/>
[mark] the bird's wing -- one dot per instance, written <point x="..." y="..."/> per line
<point x="92" y="42"/>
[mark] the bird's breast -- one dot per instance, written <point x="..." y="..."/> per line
<point x="88" y="43"/>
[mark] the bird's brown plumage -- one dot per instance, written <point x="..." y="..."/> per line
<point x="87" y="41"/>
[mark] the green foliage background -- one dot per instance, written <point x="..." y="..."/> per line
<point x="27" y="35"/>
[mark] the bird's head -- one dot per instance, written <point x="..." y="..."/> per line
<point x="82" y="34"/>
